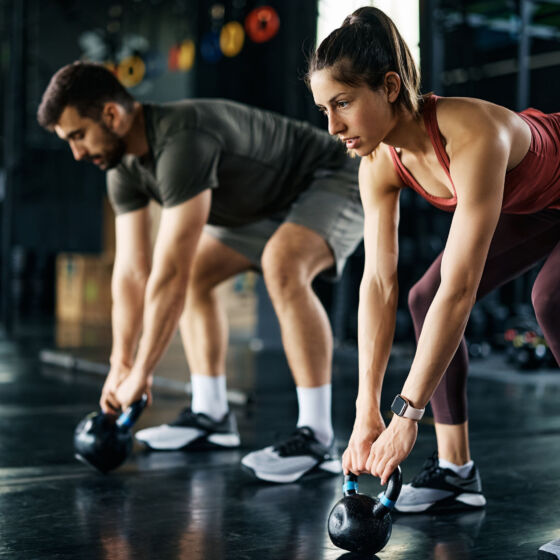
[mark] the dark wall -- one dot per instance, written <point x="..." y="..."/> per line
<point x="267" y="75"/>
<point x="472" y="48"/>
<point x="479" y="49"/>
<point x="53" y="203"/>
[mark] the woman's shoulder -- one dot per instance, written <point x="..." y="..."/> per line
<point x="469" y="118"/>
<point x="470" y="111"/>
<point x="379" y="170"/>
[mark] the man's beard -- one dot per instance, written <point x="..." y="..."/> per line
<point x="114" y="150"/>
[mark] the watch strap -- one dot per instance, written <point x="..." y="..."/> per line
<point x="413" y="413"/>
<point x="407" y="411"/>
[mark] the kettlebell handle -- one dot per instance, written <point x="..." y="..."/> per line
<point x="388" y="499"/>
<point x="129" y="416"/>
<point x="350" y="486"/>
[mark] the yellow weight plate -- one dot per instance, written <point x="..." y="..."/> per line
<point x="131" y="70"/>
<point x="232" y="37"/>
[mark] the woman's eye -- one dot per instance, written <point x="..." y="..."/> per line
<point x="342" y="104"/>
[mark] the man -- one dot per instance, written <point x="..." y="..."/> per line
<point x="241" y="189"/>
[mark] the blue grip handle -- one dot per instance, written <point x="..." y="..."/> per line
<point x="132" y="413"/>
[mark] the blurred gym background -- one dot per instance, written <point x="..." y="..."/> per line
<point x="56" y="227"/>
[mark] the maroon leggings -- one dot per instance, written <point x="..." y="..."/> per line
<point x="519" y="243"/>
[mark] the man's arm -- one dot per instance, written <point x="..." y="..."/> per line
<point x="179" y="232"/>
<point x="130" y="274"/>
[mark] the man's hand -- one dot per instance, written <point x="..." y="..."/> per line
<point x="391" y="448"/>
<point x="132" y="389"/>
<point x="108" y="401"/>
<point x="364" y="434"/>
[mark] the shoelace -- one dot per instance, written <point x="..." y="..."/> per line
<point x="298" y="441"/>
<point x="430" y="468"/>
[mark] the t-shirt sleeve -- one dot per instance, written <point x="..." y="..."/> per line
<point x="187" y="165"/>
<point x="123" y="192"/>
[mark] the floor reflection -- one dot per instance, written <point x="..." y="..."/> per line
<point x="445" y="537"/>
<point x="201" y="506"/>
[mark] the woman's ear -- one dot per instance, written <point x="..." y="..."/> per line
<point x="392" y="85"/>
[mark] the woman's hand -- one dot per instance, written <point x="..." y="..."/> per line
<point x="367" y="429"/>
<point x="391" y="448"/>
<point x="108" y="401"/>
<point x="132" y="389"/>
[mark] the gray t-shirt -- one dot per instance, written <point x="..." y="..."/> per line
<point x="256" y="161"/>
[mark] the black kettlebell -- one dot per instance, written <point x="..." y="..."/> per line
<point x="360" y="523"/>
<point x="104" y="441"/>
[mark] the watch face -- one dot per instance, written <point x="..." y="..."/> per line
<point x="399" y="405"/>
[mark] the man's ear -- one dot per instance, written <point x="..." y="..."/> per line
<point x="392" y="85"/>
<point x="112" y="115"/>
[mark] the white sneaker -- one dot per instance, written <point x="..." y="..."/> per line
<point x="435" y="489"/>
<point x="190" y="427"/>
<point x="288" y="461"/>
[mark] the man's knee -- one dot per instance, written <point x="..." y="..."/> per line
<point x="284" y="272"/>
<point x="291" y="259"/>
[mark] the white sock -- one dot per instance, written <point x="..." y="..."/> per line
<point x="315" y="411"/>
<point x="209" y="395"/>
<point x="461" y="470"/>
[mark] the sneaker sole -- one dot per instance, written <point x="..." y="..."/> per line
<point x="461" y="502"/>
<point x="328" y="467"/>
<point x="218" y="440"/>
<point x="225" y="440"/>
<point x="550" y="551"/>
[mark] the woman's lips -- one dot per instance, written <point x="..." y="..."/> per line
<point x="352" y="143"/>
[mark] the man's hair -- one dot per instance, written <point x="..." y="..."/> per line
<point x="85" y="86"/>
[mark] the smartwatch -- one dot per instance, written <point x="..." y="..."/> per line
<point x="401" y="407"/>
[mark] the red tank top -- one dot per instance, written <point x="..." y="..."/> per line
<point x="533" y="185"/>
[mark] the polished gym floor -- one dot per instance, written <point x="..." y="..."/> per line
<point x="201" y="506"/>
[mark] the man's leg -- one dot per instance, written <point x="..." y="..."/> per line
<point x="321" y="230"/>
<point x="291" y="260"/>
<point x="203" y="324"/>
<point x="204" y="332"/>
<point x="293" y="257"/>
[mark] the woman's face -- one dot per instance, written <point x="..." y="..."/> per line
<point x="359" y="116"/>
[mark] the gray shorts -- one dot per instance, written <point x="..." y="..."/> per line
<point x="330" y="206"/>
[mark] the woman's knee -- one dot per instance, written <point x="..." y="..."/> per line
<point x="546" y="304"/>
<point x="420" y="297"/>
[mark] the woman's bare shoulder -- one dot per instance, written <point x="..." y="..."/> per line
<point x="377" y="171"/>
<point x="470" y="116"/>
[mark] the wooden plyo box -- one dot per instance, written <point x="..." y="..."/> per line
<point x="83" y="288"/>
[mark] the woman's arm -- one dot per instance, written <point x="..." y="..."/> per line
<point x="478" y="168"/>
<point x="378" y="303"/>
<point x="479" y="161"/>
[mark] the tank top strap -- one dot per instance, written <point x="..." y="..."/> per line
<point x="430" y="120"/>
<point x="401" y="170"/>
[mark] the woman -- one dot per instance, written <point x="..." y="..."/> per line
<point x="499" y="172"/>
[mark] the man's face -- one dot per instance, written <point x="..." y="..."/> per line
<point x="90" y="140"/>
